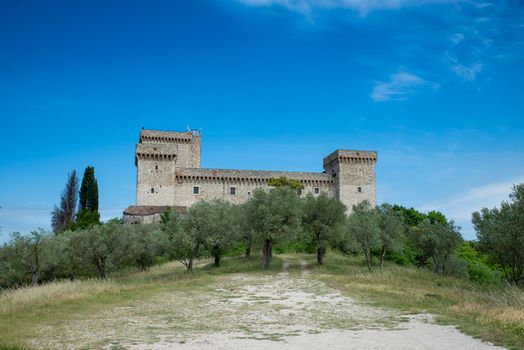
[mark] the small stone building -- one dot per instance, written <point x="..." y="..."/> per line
<point x="169" y="175"/>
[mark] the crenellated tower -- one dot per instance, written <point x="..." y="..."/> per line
<point x="158" y="154"/>
<point x="354" y="177"/>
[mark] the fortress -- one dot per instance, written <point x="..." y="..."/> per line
<point x="169" y="174"/>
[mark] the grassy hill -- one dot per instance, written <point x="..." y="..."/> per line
<point x="139" y="306"/>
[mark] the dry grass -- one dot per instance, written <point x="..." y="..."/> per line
<point x="494" y="313"/>
<point x="21" y="299"/>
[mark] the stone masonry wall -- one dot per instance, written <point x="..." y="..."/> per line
<point x="217" y="184"/>
<point x="168" y="170"/>
<point x="354" y="175"/>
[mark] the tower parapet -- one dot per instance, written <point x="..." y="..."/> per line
<point x="354" y="175"/>
<point x="158" y="154"/>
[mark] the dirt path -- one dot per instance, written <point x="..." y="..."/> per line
<point x="256" y="311"/>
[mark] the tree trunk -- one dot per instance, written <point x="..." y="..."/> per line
<point x="382" y="255"/>
<point x="368" y="258"/>
<point x="190" y="265"/>
<point x="267" y="253"/>
<point x="100" y="266"/>
<point x="217" y="260"/>
<point x="34" y="276"/>
<point x="247" y="254"/>
<point x="320" y="255"/>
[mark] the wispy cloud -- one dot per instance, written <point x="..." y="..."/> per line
<point x="466" y="53"/>
<point x="306" y="7"/>
<point x="460" y="206"/>
<point x="400" y="86"/>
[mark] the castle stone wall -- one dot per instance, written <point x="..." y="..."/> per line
<point x="168" y="170"/>
<point x="218" y="184"/>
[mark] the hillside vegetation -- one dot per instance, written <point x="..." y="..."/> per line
<point x="40" y="316"/>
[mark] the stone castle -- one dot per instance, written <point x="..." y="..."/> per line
<point x="169" y="175"/>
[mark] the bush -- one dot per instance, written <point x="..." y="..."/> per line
<point x="456" y="266"/>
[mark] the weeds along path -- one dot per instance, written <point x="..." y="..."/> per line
<point x="287" y="310"/>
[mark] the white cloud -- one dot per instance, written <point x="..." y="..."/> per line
<point x="461" y="206"/>
<point x="400" y="86"/>
<point x="305" y="7"/>
<point x="457" y="38"/>
<point x="467" y="72"/>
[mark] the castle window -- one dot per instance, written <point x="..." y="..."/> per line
<point x="196" y="190"/>
<point x="317" y="190"/>
<point x="152" y="190"/>
<point x="156" y="167"/>
<point x="232" y="190"/>
<point x="359" y="189"/>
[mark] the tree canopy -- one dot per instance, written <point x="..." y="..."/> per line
<point x="500" y="232"/>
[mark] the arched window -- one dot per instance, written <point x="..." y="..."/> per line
<point x="152" y="190"/>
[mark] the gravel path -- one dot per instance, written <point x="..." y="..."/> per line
<point x="310" y="315"/>
<point x="254" y="311"/>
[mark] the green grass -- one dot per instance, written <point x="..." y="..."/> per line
<point x="29" y="308"/>
<point x="492" y="313"/>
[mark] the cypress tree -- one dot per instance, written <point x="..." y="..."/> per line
<point x="64" y="216"/>
<point x="89" y="191"/>
<point x="88" y="212"/>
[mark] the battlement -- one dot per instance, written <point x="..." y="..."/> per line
<point x="350" y="156"/>
<point x="159" y="136"/>
<point x="258" y="176"/>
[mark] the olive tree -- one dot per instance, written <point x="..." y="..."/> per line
<point x="245" y="227"/>
<point x="392" y="229"/>
<point x="188" y="235"/>
<point x="21" y="258"/>
<point x="438" y="241"/>
<point x="104" y="247"/>
<point x="147" y="241"/>
<point x="363" y="227"/>
<point x="321" y="217"/>
<point x="500" y="232"/>
<point x="223" y="229"/>
<point x="275" y="216"/>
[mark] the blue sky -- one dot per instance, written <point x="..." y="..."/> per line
<point x="435" y="87"/>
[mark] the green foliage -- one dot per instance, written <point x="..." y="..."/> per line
<point x="146" y="242"/>
<point x="88" y="214"/>
<point x="274" y="216"/>
<point x="322" y="216"/>
<point x="20" y="258"/>
<point x="283" y="181"/>
<point x="410" y="216"/>
<point x="437" y="241"/>
<point x="392" y="230"/>
<point x="85" y="219"/>
<point x="104" y="247"/>
<point x="479" y="269"/>
<point x="437" y="216"/>
<point x="501" y="234"/>
<point x="89" y="190"/>
<point x="363" y="228"/>
<point x="186" y="237"/>
<point x="224" y="229"/>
